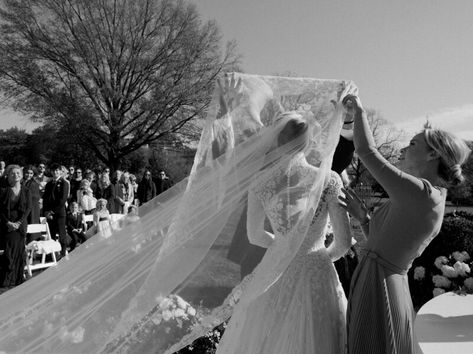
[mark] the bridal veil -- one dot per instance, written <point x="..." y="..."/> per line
<point x="163" y="280"/>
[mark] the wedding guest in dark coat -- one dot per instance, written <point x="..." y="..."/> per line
<point x="163" y="182"/>
<point x="30" y="183"/>
<point x="75" y="226"/>
<point x="54" y="205"/>
<point x="33" y="186"/>
<point x="146" y="189"/>
<point x="75" y="184"/>
<point x="15" y="206"/>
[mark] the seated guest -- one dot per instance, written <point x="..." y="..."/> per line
<point x="75" y="226"/>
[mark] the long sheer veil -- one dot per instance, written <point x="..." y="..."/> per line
<point x="165" y="279"/>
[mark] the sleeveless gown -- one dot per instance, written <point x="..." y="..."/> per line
<point x="304" y="310"/>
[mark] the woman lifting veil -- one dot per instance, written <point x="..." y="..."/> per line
<point x="163" y="281"/>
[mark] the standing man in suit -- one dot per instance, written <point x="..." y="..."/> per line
<point x="55" y="196"/>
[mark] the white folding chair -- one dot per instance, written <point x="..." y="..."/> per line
<point x="45" y="247"/>
<point x="88" y="218"/>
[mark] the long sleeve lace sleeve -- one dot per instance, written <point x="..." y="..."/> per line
<point x="339" y="218"/>
<point x="255" y="223"/>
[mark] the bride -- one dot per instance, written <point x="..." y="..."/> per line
<point x="304" y="310"/>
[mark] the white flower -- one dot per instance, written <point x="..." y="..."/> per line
<point x="191" y="311"/>
<point x="77" y="336"/>
<point x="449" y="271"/>
<point x="167" y="315"/>
<point x="439" y="261"/>
<point x="181" y="302"/>
<point x="156" y="319"/>
<point x="180" y="313"/>
<point x="461" y="268"/>
<point x="461" y="256"/>
<point x="441" y="282"/>
<point x="165" y="303"/>
<point x="438" y="291"/>
<point x="468" y="282"/>
<point x="419" y="273"/>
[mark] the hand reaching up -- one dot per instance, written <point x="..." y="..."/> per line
<point x="230" y="93"/>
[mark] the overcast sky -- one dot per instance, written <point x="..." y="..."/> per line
<point x="410" y="59"/>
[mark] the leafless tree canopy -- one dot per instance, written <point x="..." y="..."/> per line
<point x="123" y="73"/>
<point x="386" y="138"/>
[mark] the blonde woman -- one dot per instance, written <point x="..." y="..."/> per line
<point x="124" y="194"/>
<point x="102" y="221"/>
<point x="380" y="316"/>
<point x="85" y="197"/>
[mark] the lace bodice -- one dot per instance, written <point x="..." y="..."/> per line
<point x="282" y="205"/>
<point x="281" y="197"/>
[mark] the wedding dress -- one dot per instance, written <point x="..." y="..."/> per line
<point x="161" y="282"/>
<point x="304" y="310"/>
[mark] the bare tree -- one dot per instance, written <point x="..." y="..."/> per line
<point x="122" y="73"/>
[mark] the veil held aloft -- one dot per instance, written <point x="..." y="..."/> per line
<point x="166" y="279"/>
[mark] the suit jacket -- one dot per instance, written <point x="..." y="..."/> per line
<point x="162" y="185"/>
<point x="74" y="222"/>
<point x="55" y="196"/>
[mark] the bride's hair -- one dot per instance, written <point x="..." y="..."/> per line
<point x="453" y="153"/>
<point x="295" y="127"/>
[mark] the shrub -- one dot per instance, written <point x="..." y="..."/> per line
<point x="456" y="234"/>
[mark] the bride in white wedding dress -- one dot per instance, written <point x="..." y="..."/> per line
<point x="304" y="310"/>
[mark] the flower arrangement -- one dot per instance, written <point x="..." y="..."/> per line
<point x="452" y="273"/>
<point x="170" y="319"/>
